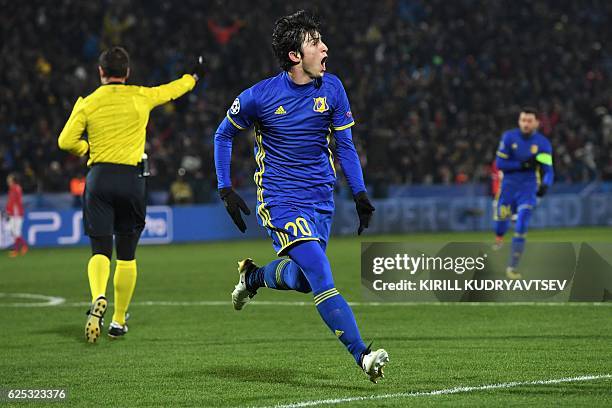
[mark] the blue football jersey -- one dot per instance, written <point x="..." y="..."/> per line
<point x="514" y="149"/>
<point x="293" y="127"/>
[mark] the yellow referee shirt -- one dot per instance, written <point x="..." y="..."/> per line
<point x="116" y="116"/>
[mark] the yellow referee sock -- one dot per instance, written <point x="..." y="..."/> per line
<point x="124" y="281"/>
<point x="98" y="271"/>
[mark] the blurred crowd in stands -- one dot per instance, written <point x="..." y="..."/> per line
<point x="432" y="83"/>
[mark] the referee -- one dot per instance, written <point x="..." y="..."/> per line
<point x="115" y="117"/>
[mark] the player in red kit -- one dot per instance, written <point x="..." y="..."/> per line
<point x="14" y="211"/>
<point x="496" y="178"/>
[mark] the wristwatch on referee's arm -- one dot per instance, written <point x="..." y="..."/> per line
<point x="143" y="166"/>
<point x="198" y="71"/>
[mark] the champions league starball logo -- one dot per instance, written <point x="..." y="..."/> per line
<point x="235" y="108"/>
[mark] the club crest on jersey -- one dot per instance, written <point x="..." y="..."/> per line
<point x="320" y="104"/>
<point x="235" y="106"/>
<point x="534" y="149"/>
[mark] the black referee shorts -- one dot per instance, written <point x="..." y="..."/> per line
<point x="114" y="200"/>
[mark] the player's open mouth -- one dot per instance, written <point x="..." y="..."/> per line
<point x="323" y="61"/>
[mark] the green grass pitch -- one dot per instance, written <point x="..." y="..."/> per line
<point x="206" y="354"/>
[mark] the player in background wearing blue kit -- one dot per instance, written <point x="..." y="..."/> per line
<point x="525" y="158"/>
<point x="295" y="114"/>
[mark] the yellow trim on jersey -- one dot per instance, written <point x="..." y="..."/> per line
<point x="331" y="155"/>
<point x="345" y="126"/>
<point x="234" y="123"/>
<point x="323" y="296"/>
<point x="259" y="159"/>
<point x="285" y="238"/>
<point x="290" y="244"/>
<point x="502" y="155"/>
<point x="263" y="212"/>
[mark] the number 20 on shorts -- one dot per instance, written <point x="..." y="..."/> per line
<point x="300" y="224"/>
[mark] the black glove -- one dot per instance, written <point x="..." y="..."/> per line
<point x="542" y="190"/>
<point x="198" y="68"/>
<point x="234" y="204"/>
<point x="529" y="164"/>
<point x="364" y="210"/>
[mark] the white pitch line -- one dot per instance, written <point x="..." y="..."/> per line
<point x="446" y="391"/>
<point x="58" y="301"/>
<point x="375" y="304"/>
<point x="46" y="300"/>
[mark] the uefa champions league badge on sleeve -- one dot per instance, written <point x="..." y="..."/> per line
<point x="235" y="108"/>
<point x="480" y="272"/>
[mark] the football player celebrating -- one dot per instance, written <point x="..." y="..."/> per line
<point x="295" y="114"/>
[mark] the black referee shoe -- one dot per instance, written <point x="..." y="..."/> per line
<point x="95" y="319"/>
<point x="116" y="330"/>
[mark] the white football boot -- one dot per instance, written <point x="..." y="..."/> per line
<point x="241" y="295"/>
<point x="512" y="274"/>
<point x="373" y="363"/>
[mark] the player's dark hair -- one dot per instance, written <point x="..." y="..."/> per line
<point x="115" y="62"/>
<point x="289" y="34"/>
<point x="529" y="110"/>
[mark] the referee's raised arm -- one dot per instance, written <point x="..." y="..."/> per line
<point x="115" y="117"/>
<point x="161" y="94"/>
<point x="116" y="114"/>
<point x="164" y="93"/>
